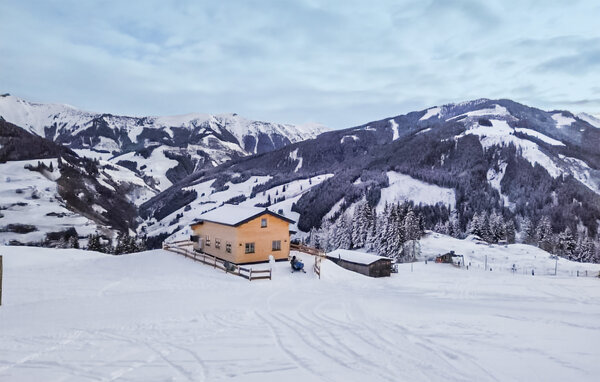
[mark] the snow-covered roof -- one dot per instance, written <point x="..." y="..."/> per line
<point x="355" y="256"/>
<point x="230" y="214"/>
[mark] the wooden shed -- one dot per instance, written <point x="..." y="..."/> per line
<point x="242" y="235"/>
<point x="362" y="262"/>
<point x="450" y="258"/>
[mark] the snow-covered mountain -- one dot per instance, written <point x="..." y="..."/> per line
<point x="592" y="119"/>
<point x="452" y="161"/>
<point x="166" y="148"/>
<point x="48" y="193"/>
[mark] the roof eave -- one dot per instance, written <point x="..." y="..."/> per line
<point x="290" y="221"/>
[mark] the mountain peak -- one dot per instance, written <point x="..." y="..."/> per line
<point x="592" y="119"/>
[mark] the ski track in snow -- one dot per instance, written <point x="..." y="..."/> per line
<point x="75" y="315"/>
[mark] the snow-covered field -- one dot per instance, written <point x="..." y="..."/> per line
<point x="404" y="187"/>
<point x="73" y="315"/>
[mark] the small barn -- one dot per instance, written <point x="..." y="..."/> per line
<point x="362" y="262"/>
<point x="450" y="258"/>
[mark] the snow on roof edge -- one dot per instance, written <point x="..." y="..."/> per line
<point x="233" y="215"/>
<point x="357" y="257"/>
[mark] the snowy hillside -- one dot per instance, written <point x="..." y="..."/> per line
<point x="77" y="315"/>
<point x="31" y="208"/>
<point x="593" y="120"/>
<point x="501" y="258"/>
<point x="176" y="224"/>
<point x="450" y="160"/>
<point x="403" y="187"/>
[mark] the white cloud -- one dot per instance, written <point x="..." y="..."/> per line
<point x="341" y="64"/>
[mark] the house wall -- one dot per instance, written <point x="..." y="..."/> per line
<point x="217" y="231"/>
<point x="252" y="232"/>
<point x="249" y="232"/>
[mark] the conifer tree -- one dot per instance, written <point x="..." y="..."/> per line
<point x="411" y="226"/>
<point x="528" y="235"/>
<point x="94" y="243"/>
<point x="371" y="240"/>
<point x="510" y="232"/>
<point x="586" y="251"/>
<point x="73" y="241"/>
<point x="486" y="231"/>
<point x="343" y="233"/>
<point x="441" y="228"/>
<point x="544" y="234"/>
<point x="566" y="244"/>
<point x="475" y="226"/>
<point x="454" y="226"/>
<point x="360" y="225"/>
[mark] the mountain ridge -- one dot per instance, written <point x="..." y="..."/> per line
<point x="497" y="155"/>
<point x="469" y="159"/>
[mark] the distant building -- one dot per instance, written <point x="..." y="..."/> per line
<point x="242" y="235"/>
<point x="362" y="262"/>
<point x="450" y="258"/>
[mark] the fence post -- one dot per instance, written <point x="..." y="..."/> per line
<point x="250" y="276"/>
<point x="0" y="280"/>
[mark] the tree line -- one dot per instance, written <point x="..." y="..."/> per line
<point x="394" y="232"/>
<point x="124" y="244"/>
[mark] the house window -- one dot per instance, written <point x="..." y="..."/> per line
<point x="263" y="223"/>
<point x="276" y="245"/>
<point x="217" y="243"/>
<point x="249" y="247"/>
<point x="207" y="241"/>
<point x="228" y="247"/>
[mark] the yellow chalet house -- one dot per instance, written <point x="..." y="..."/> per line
<point x="242" y="235"/>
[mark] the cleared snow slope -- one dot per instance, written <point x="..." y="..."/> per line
<point x="81" y="316"/>
<point x="500" y="258"/>
<point x="404" y="187"/>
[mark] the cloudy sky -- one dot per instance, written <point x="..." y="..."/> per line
<point x="341" y="63"/>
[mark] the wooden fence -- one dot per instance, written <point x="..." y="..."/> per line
<point x="317" y="266"/>
<point x="307" y="249"/>
<point x="584" y="273"/>
<point x="0" y="280"/>
<point x="247" y="273"/>
<point x="181" y="243"/>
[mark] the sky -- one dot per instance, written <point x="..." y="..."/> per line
<point x="339" y="63"/>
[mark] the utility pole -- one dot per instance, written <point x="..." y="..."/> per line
<point x="555" y="265"/>
<point x="485" y="263"/>
<point x="0" y="279"/>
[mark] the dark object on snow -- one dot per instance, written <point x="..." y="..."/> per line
<point x="229" y="267"/>
<point x="19" y="228"/>
<point x="296" y="264"/>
